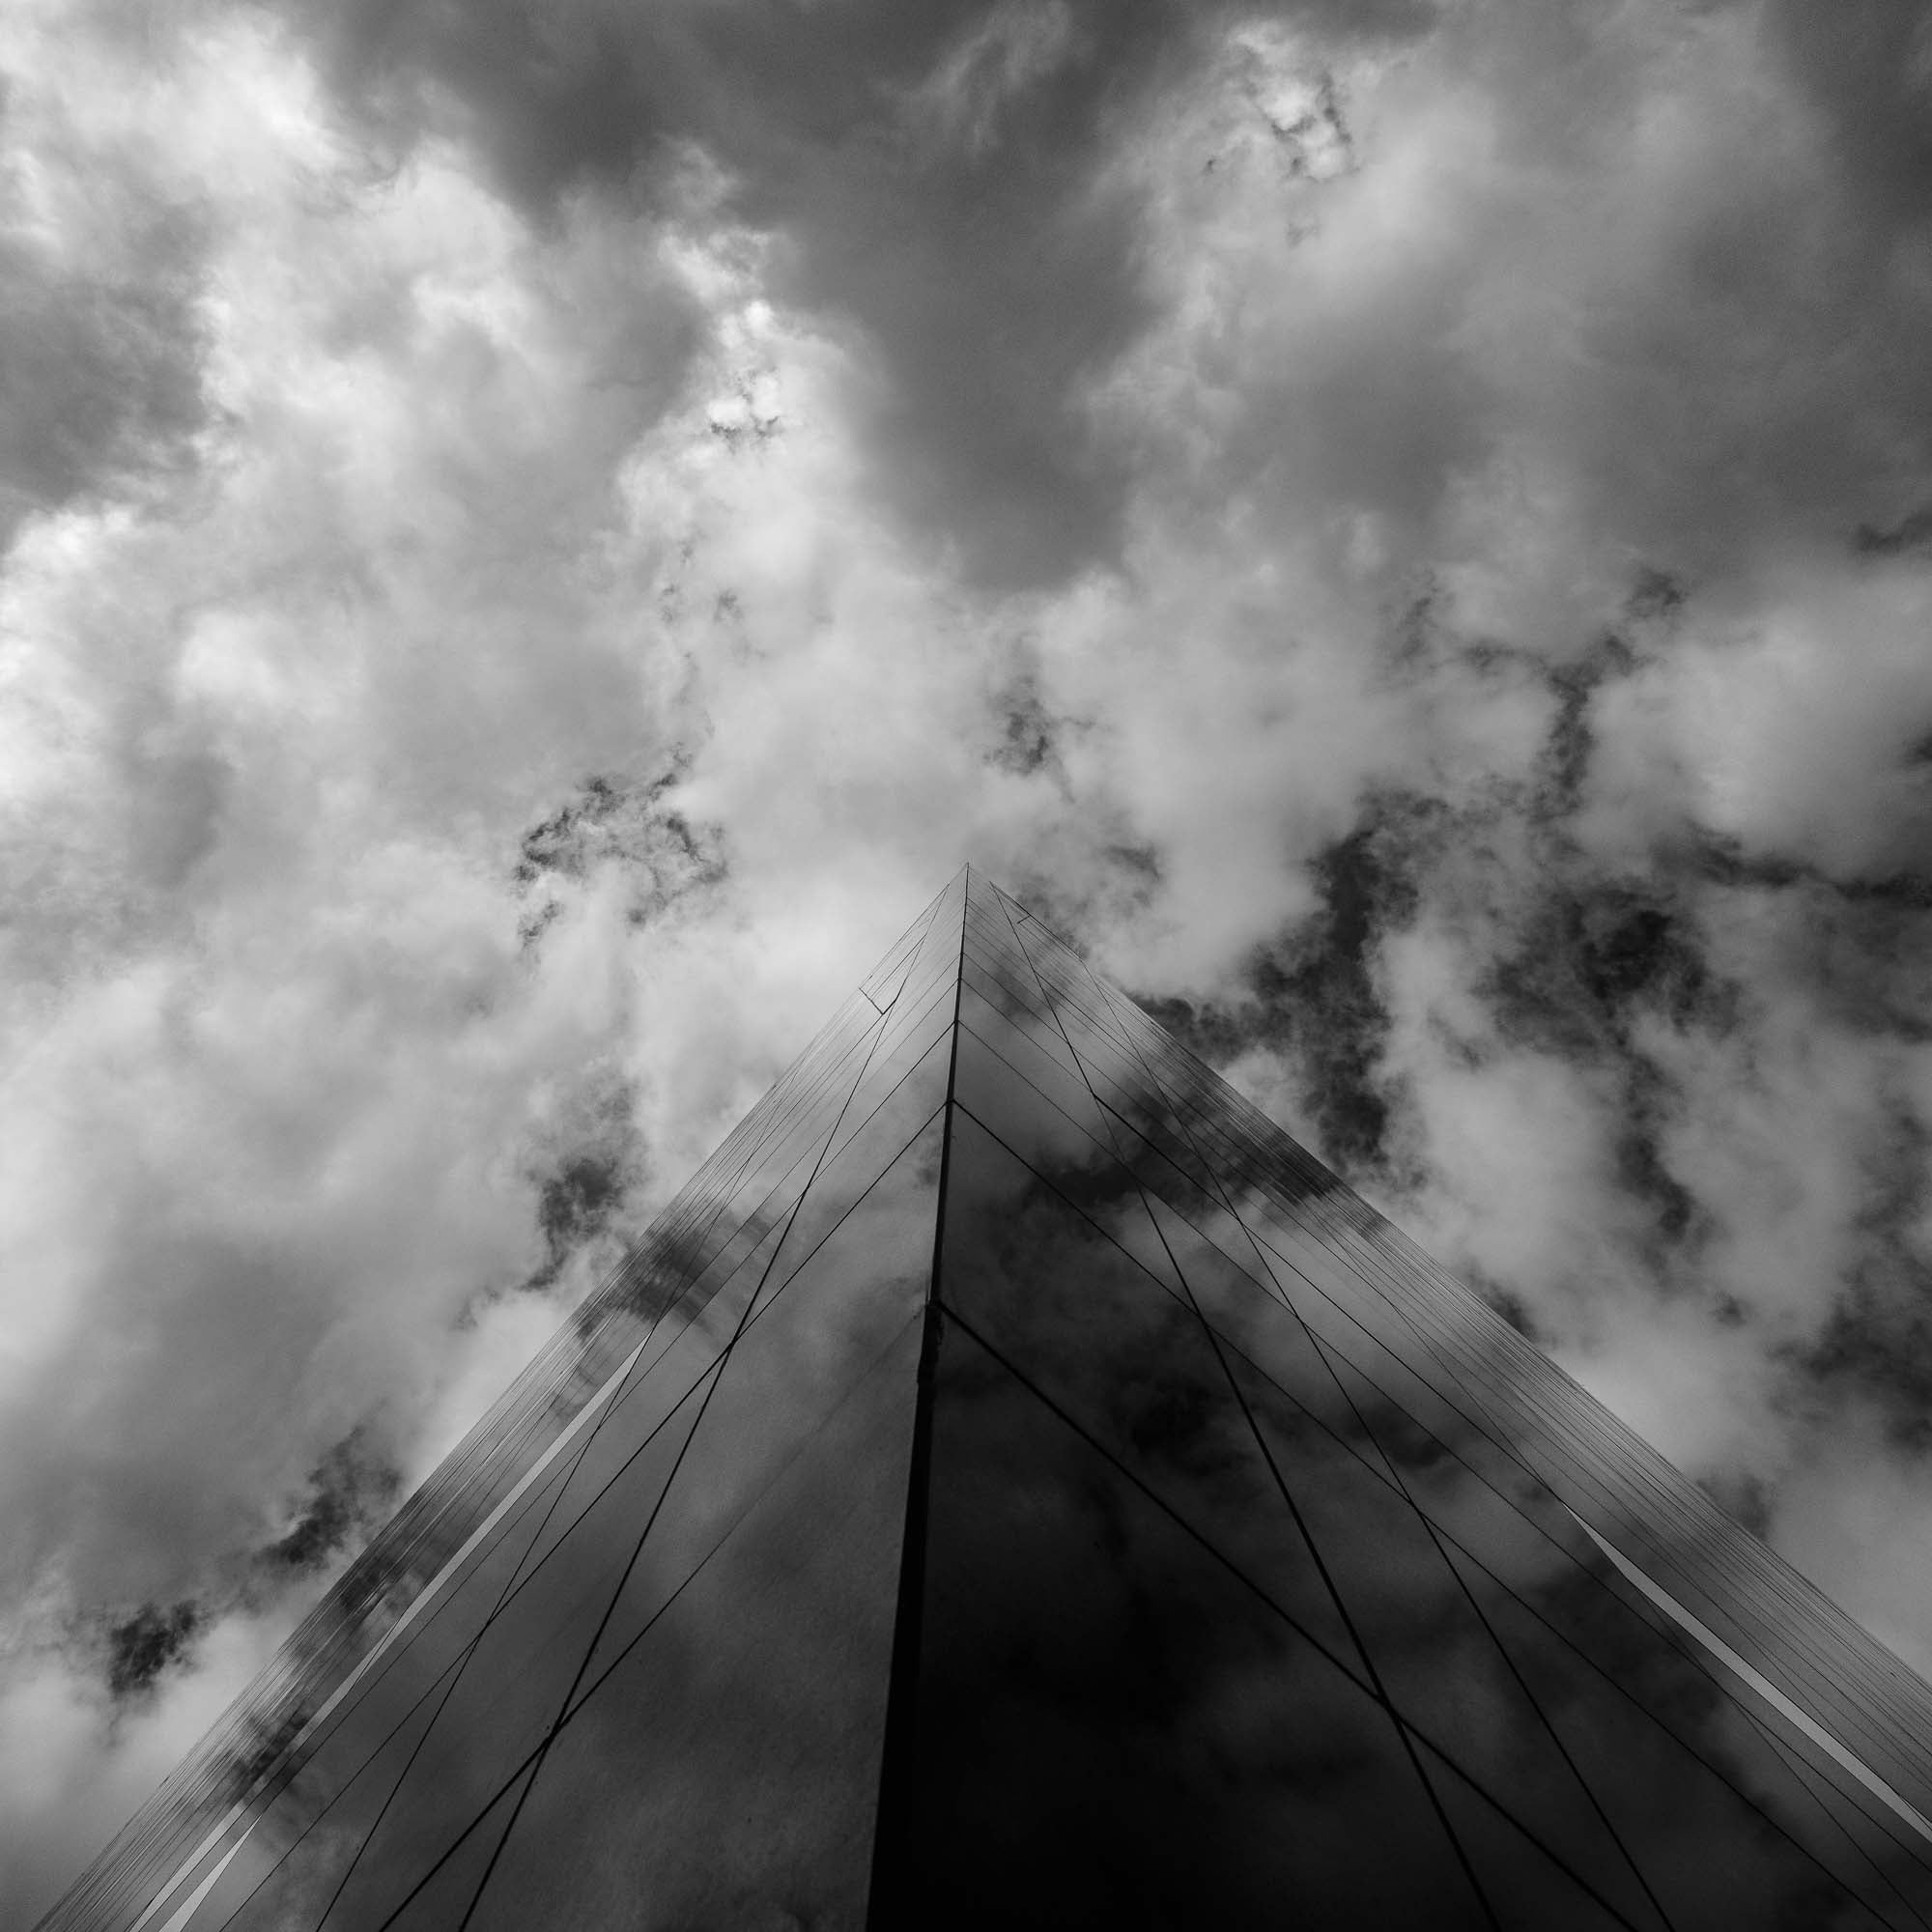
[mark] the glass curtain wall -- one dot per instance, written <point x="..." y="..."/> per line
<point x="1014" y="1483"/>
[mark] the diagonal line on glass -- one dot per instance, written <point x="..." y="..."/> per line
<point x="1207" y="1167"/>
<point x="709" y="1373"/>
<point x="1816" y="1642"/>
<point x="614" y="1478"/>
<point x="1369" y="1433"/>
<point x="612" y="1405"/>
<point x="371" y="1671"/>
<point x="1600" y="1454"/>
<point x="604" y="1676"/>
<point x="1649" y="1622"/>
<point x="532" y="1382"/>
<point x="1423" y="1517"/>
<point x="1701" y="1664"/>
<point x="279" y="1706"/>
<point x="723" y="1363"/>
<point x="1804" y="1773"/>
<point x="1275" y="1471"/>
<point x="276" y="1704"/>
<point x="514" y="1582"/>
<point x="1433" y="1746"/>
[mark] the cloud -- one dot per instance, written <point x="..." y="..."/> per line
<point x="537" y="538"/>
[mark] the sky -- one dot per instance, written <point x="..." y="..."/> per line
<point x="535" y="538"/>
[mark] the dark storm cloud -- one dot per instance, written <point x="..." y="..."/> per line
<point x="581" y="1200"/>
<point x="1312" y="995"/>
<point x="147" y="1643"/>
<point x="1877" y="1346"/>
<point x="351" y="1491"/>
<point x="1029" y="730"/>
<point x="635" y="832"/>
<point x="101" y="378"/>
<point x="1867" y="68"/>
<point x="936" y="177"/>
<point x="1912" y="532"/>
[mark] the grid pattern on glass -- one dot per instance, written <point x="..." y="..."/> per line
<point x="501" y="1481"/>
<point x="1124" y="1359"/>
<point x="1676" y="1777"/>
<point x="723" y="1768"/>
<point x="1259" y="1346"/>
<point x="1786" y="1629"/>
<point x="677" y="1525"/>
<point x="1115" y="1725"/>
<point x="844" y="1231"/>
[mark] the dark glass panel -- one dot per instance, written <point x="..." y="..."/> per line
<point x="882" y="983"/>
<point x="1483" y="1503"/>
<point x="899" y="1088"/>
<point x="876" y="1157"/>
<point x="935" y="970"/>
<point x="986" y="994"/>
<point x="1115" y="1074"/>
<point x="1031" y="1123"/>
<point x="1455" y="1680"/>
<point x="867" y="1145"/>
<point x="447" y="1892"/>
<point x="738" y="1197"/>
<point x="1118" y="1114"/>
<point x="1438" y="1657"/>
<point x="1067" y="1156"/>
<point x="1128" y="1358"/>
<point x="725" y="1772"/>
<point x="1048" y="1115"/>
<point x="1112" y="1729"/>
<point x="1775" y="1620"/>
<point x="290" y="1869"/>
<point x="1878" y="1858"/>
<point x="1582" y="1624"/>
<point x="789" y="1366"/>
<point x="625" y="1444"/>
<point x="1062" y="975"/>
<point x="938" y="953"/>
<point x="991" y="950"/>
<point x="729" y="1753"/>
<point x="515" y="1683"/>
<point x="1037" y="1048"/>
<point x="363" y="1748"/>
<point x="902" y="1040"/>
<point x="803" y="1351"/>
<point x="1598" y="1479"/>
<point x="1526" y="1888"/>
<point x="1701" y="1825"/>
<point x="900" y="1057"/>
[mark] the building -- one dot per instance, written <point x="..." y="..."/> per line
<point x="1014" y="1483"/>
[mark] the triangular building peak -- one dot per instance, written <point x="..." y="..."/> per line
<point x="1014" y="1481"/>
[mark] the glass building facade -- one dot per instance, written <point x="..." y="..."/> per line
<point x="1014" y="1483"/>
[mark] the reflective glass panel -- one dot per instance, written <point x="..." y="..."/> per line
<point x="1111" y="1727"/>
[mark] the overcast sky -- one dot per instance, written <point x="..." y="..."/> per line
<point x="536" y="536"/>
